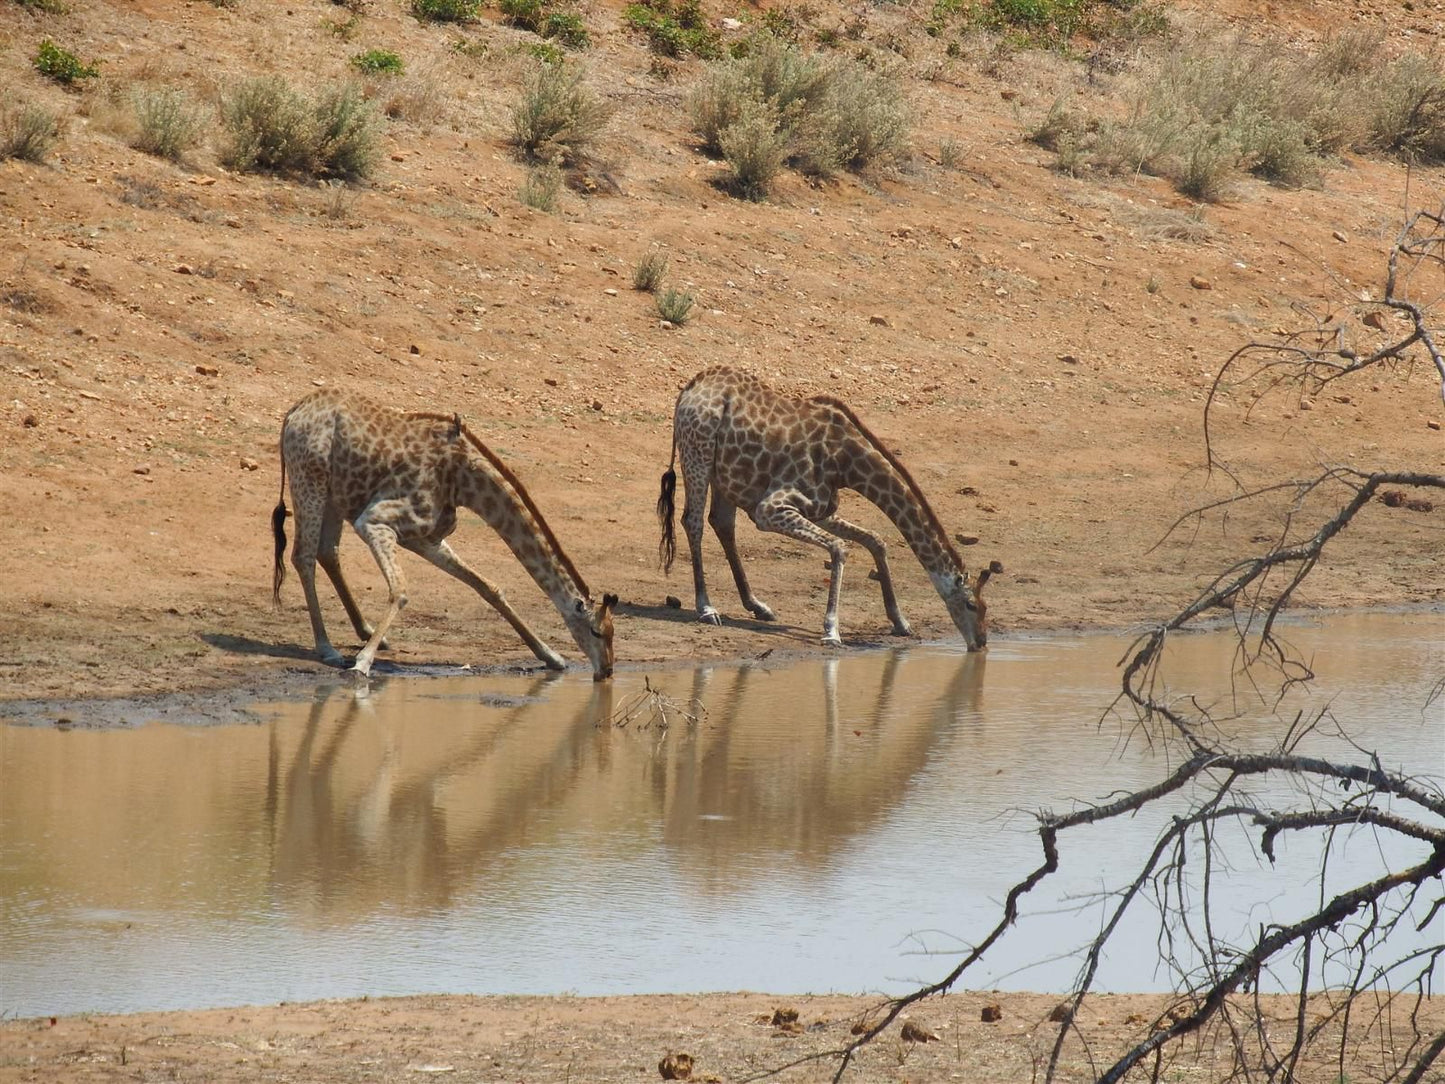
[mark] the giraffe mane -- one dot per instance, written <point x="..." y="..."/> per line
<point x="896" y="464"/>
<point x="516" y="483"/>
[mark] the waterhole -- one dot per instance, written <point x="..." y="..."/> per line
<point x="844" y="824"/>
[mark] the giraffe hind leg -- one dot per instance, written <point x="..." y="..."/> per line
<point x="723" y="517"/>
<point x="329" y="558"/>
<point x="695" y="485"/>
<point x="303" y="558"/>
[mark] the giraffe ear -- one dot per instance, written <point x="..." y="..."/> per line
<point x="609" y="602"/>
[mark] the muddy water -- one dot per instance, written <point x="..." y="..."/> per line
<point x="817" y="826"/>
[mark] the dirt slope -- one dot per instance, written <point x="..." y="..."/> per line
<point x="1036" y="347"/>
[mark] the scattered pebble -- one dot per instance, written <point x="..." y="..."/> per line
<point x="992" y="1013"/>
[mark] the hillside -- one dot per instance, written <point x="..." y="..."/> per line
<point x="1036" y="346"/>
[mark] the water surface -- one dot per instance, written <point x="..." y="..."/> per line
<point x="812" y="827"/>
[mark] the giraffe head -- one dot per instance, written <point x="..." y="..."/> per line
<point x="966" y="605"/>
<point x="591" y="627"/>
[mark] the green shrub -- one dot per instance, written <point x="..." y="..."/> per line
<point x="544" y="52"/>
<point x="557" y="117"/>
<point x="378" y="62"/>
<point x="649" y="272"/>
<point x="566" y="27"/>
<point x="755" y="148"/>
<point x="674" y="30"/>
<point x="27" y="132"/>
<point x="168" y="122"/>
<point x="541" y="187"/>
<point x="63" y="66"/>
<point x="674" y="305"/>
<point x="523" y="14"/>
<point x="446" y="11"/>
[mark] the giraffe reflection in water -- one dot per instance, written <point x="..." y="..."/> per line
<point x="420" y="796"/>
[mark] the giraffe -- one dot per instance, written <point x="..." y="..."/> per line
<point x="783" y="461"/>
<point x="399" y="479"/>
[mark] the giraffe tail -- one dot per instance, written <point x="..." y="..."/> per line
<point x="666" y="508"/>
<point x="278" y="531"/>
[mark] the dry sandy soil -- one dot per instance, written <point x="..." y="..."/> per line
<point x="1037" y="348"/>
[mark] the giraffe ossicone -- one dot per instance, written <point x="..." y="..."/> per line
<point x="784" y="461"/>
<point x="398" y="478"/>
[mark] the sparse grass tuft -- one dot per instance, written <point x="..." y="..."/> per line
<point x="557" y="117"/>
<point x="27" y="132"/>
<point x="61" y="65"/>
<point x="168" y="122"/>
<point x="649" y="272"/>
<point x="675" y="306"/>
<point x="541" y="187"/>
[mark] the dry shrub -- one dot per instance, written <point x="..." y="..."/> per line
<point x="755" y="149"/>
<point x="27" y="132"/>
<point x="269" y="126"/>
<point x="557" y="118"/>
<point x="168" y="122"/>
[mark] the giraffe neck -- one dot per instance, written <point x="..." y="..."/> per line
<point x="485" y="485"/>
<point x="881" y="481"/>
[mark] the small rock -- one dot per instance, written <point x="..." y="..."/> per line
<point x="208" y="370"/>
<point x="731" y="24"/>
<point x="1008" y="94"/>
<point x="183" y="269"/>
<point x="610" y="291"/>
<point x="1392" y="498"/>
<point x="666" y="325"/>
<point x="1339" y="235"/>
<point x="597" y="404"/>
<point x="1068" y="359"/>
<point x="1305" y="404"/>
<point x="992" y="1013"/>
<point x="673" y="602"/>
<point x="676" y="1067"/>
<point x="414" y="350"/>
<point x="1375" y="320"/>
<point x="966" y="539"/>
<point x="550" y="381"/>
<point x="1013" y="462"/>
<point x="144" y="468"/>
<point x="1419" y="504"/>
<point x="785" y="1015"/>
<point x="30" y="421"/>
<point x="203" y="180"/>
<point x="881" y="321"/>
<point x="1432" y="425"/>
<point x="249" y="464"/>
<point x="916" y="1033"/>
<point x="1199" y="282"/>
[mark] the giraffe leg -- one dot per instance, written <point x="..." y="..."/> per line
<point x="876" y="546"/>
<point x="381" y="538"/>
<point x="330" y="560"/>
<point x="442" y="555"/>
<point x="309" y="516"/>
<point x="783" y="518"/>
<point x="694" y="484"/>
<point x="723" y="517"/>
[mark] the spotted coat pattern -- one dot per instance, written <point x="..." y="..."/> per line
<point x="398" y="479"/>
<point x="784" y="461"/>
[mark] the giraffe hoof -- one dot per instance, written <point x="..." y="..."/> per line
<point x="334" y="658"/>
<point x="763" y="613"/>
<point x="710" y="617"/>
<point x="832" y="641"/>
<point x="358" y="676"/>
<point x="902" y="629"/>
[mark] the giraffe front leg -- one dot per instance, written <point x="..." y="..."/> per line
<point x="785" y="519"/>
<point x="445" y="558"/>
<point x="330" y="560"/>
<point x="381" y="539"/>
<point x="879" y="550"/>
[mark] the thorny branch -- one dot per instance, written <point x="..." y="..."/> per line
<point x="1349" y="927"/>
